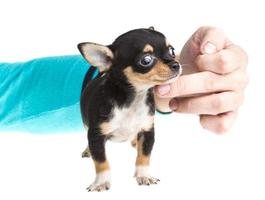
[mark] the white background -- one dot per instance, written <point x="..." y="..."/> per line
<point x="191" y="162"/>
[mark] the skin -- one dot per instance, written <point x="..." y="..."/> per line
<point x="218" y="67"/>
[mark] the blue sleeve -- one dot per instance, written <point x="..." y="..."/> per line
<point x="42" y="95"/>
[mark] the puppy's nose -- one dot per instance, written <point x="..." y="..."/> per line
<point x="175" y="67"/>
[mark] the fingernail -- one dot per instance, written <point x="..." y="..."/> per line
<point x="209" y="48"/>
<point x="173" y="104"/>
<point x="163" y="89"/>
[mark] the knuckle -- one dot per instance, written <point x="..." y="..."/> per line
<point x="223" y="62"/>
<point x="218" y="104"/>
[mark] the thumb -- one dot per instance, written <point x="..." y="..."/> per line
<point x="212" y="40"/>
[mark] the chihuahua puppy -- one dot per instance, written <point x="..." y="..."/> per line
<point x="119" y="104"/>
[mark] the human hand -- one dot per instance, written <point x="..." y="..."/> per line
<point x="213" y="82"/>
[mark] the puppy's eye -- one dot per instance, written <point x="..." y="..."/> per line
<point x="172" y="51"/>
<point x="147" y="60"/>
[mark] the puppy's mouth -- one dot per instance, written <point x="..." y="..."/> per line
<point x="171" y="79"/>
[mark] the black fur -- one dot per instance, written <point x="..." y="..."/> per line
<point x="150" y="102"/>
<point x="97" y="144"/>
<point x="148" y="141"/>
<point x="112" y="88"/>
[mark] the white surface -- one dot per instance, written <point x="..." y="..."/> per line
<point x="191" y="163"/>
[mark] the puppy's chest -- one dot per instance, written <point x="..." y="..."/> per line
<point x="126" y="123"/>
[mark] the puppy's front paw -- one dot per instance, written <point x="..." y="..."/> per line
<point x="101" y="183"/>
<point x="146" y="180"/>
<point x="99" y="187"/>
<point x="142" y="176"/>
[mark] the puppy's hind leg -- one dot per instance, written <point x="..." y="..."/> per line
<point x="86" y="153"/>
<point x="134" y="142"/>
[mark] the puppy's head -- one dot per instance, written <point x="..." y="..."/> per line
<point x="143" y="57"/>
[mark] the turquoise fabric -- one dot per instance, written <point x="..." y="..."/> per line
<point x="42" y="95"/>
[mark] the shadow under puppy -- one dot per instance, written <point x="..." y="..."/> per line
<point x="119" y="104"/>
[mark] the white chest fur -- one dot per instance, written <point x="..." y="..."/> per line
<point x="128" y="122"/>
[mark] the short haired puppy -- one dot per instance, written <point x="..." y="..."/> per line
<point x="119" y="105"/>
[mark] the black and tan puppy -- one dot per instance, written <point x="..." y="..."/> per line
<point x="119" y="104"/>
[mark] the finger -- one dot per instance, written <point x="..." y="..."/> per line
<point x="212" y="104"/>
<point x="224" y="61"/>
<point x="203" y="82"/>
<point x="162" y="104"/>
<point x="218" y="123"/>
<point x="212" y="40"/>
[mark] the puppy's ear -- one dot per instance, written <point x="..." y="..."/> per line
<point x="97" y="55"/>
<point x="151" y="28"/>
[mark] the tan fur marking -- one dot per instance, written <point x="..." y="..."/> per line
<point x="148" y="49"/>
<point x="105" y="128"/>
<point x="141" y="159"/>
<point x="157" y="75"/>
<point x="101" y="166"/>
